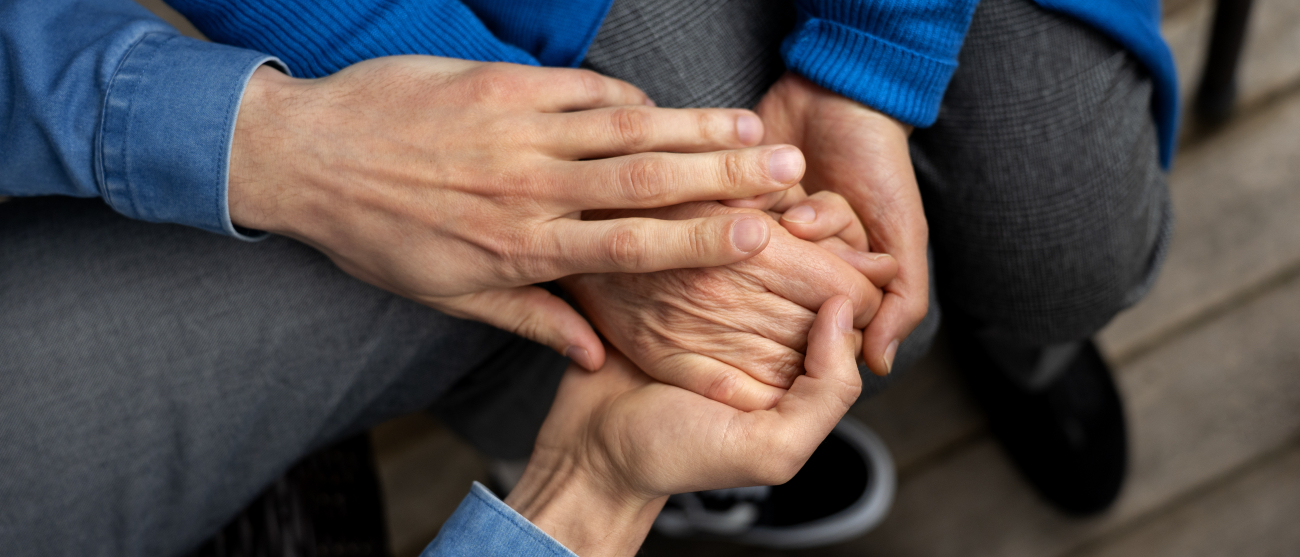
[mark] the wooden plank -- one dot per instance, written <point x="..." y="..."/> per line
<point x="1199" y="407"/>
<point x="1253" y="515"/>
<point x="1235" y="203"/>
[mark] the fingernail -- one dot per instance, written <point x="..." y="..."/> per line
<point x="889" y="356"/>
<point x="649" y="102"/>
<point x="749" y="129"/>
<point x="878" y="256"/>
<point x="800" y="214"/>
<point x="747" y="234"/>
<point x="579" y="355"/>
<point x="785" y="164"/>
<point x="844" y="317"/>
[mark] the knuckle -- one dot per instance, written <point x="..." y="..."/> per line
<point x="631" y="127"/>
<point x="722" y="387"/>
<point x="491" y="83"/>
<point x="710" y="126"/>
<point x="591" y="85"/>
<point x="731" y="170"/>
<point x="626" y="248"/>
<point x="639" y="180"/>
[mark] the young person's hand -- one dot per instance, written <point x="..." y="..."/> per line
<point x="862" y="155"/>
<point x="617" y="443"/>
<point x="457" y="184"/>
<point x="734" y="333"/>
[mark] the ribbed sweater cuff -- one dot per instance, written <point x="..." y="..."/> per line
<point x="885" y="76"/>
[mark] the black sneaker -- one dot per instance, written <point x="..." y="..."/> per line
<point x="1066" y="436"/>
<point x="843" y="491"/>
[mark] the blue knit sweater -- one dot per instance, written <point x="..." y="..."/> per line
<point x="894" y="55"/>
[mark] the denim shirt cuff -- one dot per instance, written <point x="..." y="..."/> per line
<point x="163" y="151"/>
<point x="484" y="525"/>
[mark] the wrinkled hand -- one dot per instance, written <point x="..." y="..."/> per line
<point x="862" y="155"/>
<point x="616" y="443"/>
<point x="457" y="183"/>
<point x="735" y="333"/>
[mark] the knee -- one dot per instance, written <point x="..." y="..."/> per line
<point x="1064" y="272"/>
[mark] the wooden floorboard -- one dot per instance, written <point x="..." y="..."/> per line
<point x="1235" y="201"/>
<point x="1255" y="514"/>
<point x="1199" y="407"/>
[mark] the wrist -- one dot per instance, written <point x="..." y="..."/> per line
<point x="589" y="516"/>
<point x="260" y="130"/>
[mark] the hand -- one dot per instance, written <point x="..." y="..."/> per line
<point x="734" y="333"/>
<point x="617" y="443"/>
<point x="457" y="183"/>
<point x="862" y="155"/>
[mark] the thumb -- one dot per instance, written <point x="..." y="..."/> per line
<point x="830" y="384"/>
<point x="535" y="314"/>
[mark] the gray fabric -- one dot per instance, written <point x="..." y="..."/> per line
<point x="1047" y="207"/>
<point x="693" y="53"/>
<point x="154" y="378"/>
<point x="1048" y="210"/>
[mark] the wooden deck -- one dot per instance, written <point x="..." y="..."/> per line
<point x="1209" y="364"/>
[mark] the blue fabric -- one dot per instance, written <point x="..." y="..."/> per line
<point x="485" y="526"/>
<point x="319" y="37"/>
<point x="102" y="99"/>
<point x="896" y="56"/>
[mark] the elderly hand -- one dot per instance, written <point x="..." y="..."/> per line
<point x="457" y="183"/>
<point x="862" y="155"/>
<point x="616" y="443"/>
<point x="734" y="333"/>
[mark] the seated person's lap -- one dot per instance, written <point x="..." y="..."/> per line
<point x="157" y="376"/>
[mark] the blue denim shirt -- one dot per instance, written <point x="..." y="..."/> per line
<point x="483" y="526"/>
<point x="103" y="99"/>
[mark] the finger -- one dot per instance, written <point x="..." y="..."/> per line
<point x="566" y="89"/>
<point x="626" y="130"/>
<point x="830" y="383"/>
<point x="765" y="360"/>
<point x="779" y="442"/>
<point x="718" y="381"/>
<point x="879" y="268"/>
<point x="823" y="215"/>
<point x="776" y="201"/>
<point x="651" y="180"/>
<point x="535" y="314"/>
<point x="644" y="245"/>
<point x="898" y="315"/>
<point x="808" y="275"/>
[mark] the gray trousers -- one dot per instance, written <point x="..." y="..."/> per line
<point x="1048" y="210"/>
<point x="154" y="378"/>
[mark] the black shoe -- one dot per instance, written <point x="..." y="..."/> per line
<point x="1067" y="436"/>
<point x="844" y="490"/>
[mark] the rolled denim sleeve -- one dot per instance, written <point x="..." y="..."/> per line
<point x="896" y="56"/>
<point x="485" y="526"/>
<point x="104" y="99"/>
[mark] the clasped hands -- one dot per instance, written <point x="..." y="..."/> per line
<point x="460" y="185"/>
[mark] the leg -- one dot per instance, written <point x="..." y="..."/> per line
<point x="1047" y="206"/>
<point x="1049" y="214"/>
<point x="156" y="378"/>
